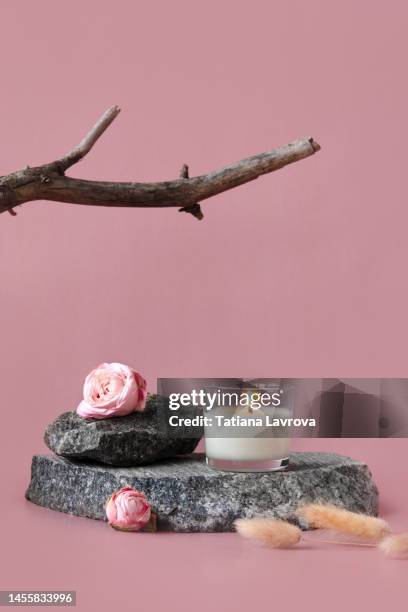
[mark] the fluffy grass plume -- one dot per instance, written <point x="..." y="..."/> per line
<point x="327" y="516"/>
<point x="272" y="532"/>
<point x="395" y="545"/>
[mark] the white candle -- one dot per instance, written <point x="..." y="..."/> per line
<point x="261" y="447"/>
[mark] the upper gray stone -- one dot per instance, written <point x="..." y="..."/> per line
<point x="136" y="439"/>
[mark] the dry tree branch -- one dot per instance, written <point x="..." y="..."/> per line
<point x="49" y="182"/>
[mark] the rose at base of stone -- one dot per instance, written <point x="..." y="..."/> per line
<point x="129" y="510"/>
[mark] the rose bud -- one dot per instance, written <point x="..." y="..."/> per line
<point x="112" y="389"/>
<point x="128" y="510"/>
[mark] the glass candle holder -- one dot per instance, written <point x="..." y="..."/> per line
<point x="246" y="430"/>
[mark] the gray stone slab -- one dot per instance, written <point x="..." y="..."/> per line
<point x="189" y="496"/>
<point x="136" y="439"/>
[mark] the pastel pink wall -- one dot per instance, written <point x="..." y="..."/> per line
<point x="301" y="273"/>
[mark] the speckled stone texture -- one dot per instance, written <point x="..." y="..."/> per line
<point x="137" y="439"/>
<point x="189" y="496"/>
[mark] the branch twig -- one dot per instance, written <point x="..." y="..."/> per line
<point x="90" y="139"/>
<point x="49" y="182"/>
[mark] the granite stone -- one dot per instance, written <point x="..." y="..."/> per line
<point x="188" y="496"/>
<point x="136" y="439"/>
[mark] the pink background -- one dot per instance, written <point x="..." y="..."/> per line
<point x="301" y="273"/>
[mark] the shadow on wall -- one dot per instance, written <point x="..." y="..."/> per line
<point x="354" y="408"/>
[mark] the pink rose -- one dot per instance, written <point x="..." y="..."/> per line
<point x="128" y="510"/>
<point x="112" y="389"/>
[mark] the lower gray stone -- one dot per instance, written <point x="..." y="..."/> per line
<point x="189" y="496"/>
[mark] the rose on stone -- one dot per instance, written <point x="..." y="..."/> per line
<point x="112" y="389"/>
<point x="128" y="510"/>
